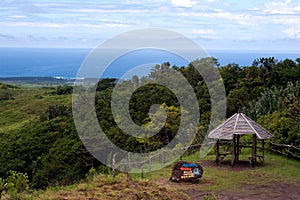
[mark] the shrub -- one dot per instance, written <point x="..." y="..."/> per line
<point x="17" y="182"/>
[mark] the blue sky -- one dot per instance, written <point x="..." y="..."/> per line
<point x="213" y="24"/>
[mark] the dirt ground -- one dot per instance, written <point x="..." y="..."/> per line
<point x="273" y="190"/>
<point x="266" y="192"/>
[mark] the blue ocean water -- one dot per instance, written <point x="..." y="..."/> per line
<point x="44" y="62"/>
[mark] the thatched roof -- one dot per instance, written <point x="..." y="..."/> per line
<point x="238" y="124"/>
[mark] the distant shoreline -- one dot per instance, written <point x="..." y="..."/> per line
<point x="46" y="80"/>
<point x="65" y="63"/>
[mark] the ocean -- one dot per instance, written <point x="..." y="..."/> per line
<point x="52" y="62"/>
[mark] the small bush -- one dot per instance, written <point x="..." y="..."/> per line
<point x="54" y="111"/>
<point x="17" y="182"/>
<point x="5" y="96"/>
<point x="65" y="89"/>
<point x="210" y="196"/>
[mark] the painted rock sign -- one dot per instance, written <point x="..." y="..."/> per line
<point x="186" y="171"/>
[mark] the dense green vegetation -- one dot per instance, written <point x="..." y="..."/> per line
<point x="39" y="140"/>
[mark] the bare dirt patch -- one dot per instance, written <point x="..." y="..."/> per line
<point x="249" y="192"/>
<point x="263" y="192"/>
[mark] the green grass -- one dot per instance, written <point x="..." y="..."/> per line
<point x="27" y="104"/>
<point x="227" y="178"/>
<point x="155" y="184"/>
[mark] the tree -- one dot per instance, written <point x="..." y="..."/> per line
<point x="64" y="89"/>
<point x="231" y="73"/>
<point x="136" y="81"/>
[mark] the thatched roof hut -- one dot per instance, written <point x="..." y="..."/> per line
<point x="237" y="125"/>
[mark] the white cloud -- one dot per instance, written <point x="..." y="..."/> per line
<point x="18" y="16"/>
<point x="291" y="21"/>
<point x="183" y="3"/>
<point x="242" y="19"/>
<point x="282" y="7"/>
<point x="292" y="33"/>
<point x="212" y="19"/>
<point x="204" y="32"/>
<point x="62" y="25"/>
<point x="90" y="10"/>
<point x="254" y="9"/>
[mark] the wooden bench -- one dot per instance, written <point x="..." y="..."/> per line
<point x="252" y="159"/>
<point x="222" y="156"/>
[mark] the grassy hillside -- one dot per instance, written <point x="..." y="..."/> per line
<point x="25" y="104"/>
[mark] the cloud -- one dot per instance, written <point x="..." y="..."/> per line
<point x="35" y="38"/>
<point x="292" y="33"/>
<point x="204" y="32"/>
<point x="254" y="9"/>
<point x="284" y="20"/>
<point x="100" y="10"/>
<point x="18" y="16"/>
<point x="209" y="19"/>
<point x="183" y="3"/>
<point x="100" y="24"/>
<point x="242" y="19"/>
<point x="282" y="7"/>
<point x="5" y="36"/>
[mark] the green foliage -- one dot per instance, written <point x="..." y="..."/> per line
<point x="273" y="100"/>
<point x="266" y="77"/>
<point x="50" y="152"/>
<point x="5" y="96"/>
<point x="106" y="83"/>
<point x="17" y="182"/>
<point x="55" y="111"/>
<point x="6" y="92"/>
<point x="64" y="89"/>
<point x="3" y="186"/>
<point x="210" y="196"/>
<point x="281" y="124"/>
<point x="278" y="110"/>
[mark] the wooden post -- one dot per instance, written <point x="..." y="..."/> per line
<point x="263" y="151"/>
<point x="129" y="160"/>
<point x="237" y="147"/>
<point x="218" y="151"/>
<point x="254" y="149"/>
<point x="199" y="152"/>
<point x="113" y="165"/>
<point x="233" y="151"/>
<point x="180" y="153"/>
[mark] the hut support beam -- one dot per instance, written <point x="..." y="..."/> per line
<point x="253" y="150"/>
<point x="263" y="151"/>
<point x="237" y="147"/>
<point x="218" y="152"/>
<point x="233" y="151"/>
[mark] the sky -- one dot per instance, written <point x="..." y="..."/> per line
<point x="213" y="24"/>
